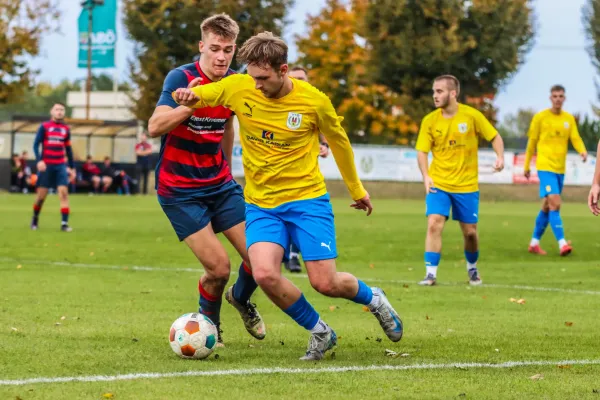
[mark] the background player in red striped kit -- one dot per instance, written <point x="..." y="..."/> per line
<point x="193" y="179"/>
<point x="55" y="138"/>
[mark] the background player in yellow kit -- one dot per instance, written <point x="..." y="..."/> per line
<point x="549" y="136"/>
<point x="452" y="134"/>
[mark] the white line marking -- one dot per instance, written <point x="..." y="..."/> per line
<point x="271" y="371"/>
<point x="304" y="276"/>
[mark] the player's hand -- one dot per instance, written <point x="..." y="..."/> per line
<point x="41" y="166"/>
<point x="195" y="82"/>
<point x="323" y="151"/>
<point x="593" y="199"/>
<point x="429" y="188"/>
<point x="71" y="172"/>
<point x="527" y="174"/>
<point x="186" y="97"/>
<point x="499" y="164"/>
<point x="363" y="204"/>
<point x="584" y="156"/>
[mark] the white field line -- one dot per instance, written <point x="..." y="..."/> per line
<point x="271" y="371"/>
<point x="304" y="276"/>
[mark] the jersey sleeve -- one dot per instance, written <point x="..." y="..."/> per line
<point x="534" y="135"/>
<point x="576" y="137"/>
<point x="219" y="93"/>
<point x="484" y="128"/>
<point x="425" y="138"/>
<point x="329" y="124"/>
<point x="39" y="140"/>
<point x="175" y="79"/>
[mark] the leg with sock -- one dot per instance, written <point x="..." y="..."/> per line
<point x="37" y="207"/>
<point x="471" y="251"/>
<point x="556" y="224"/>
<point x="433" y="248"/>
<point x="541" y="223"/>
<point x="63" y="195"/>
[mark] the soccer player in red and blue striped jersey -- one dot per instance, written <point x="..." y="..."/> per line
<point x="55" y="138"/>
<point x="193" y="180"/>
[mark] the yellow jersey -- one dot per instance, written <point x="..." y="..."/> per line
<point x="549" y="135"/>
<point x="454" y="143"/>
<point x="280" y="139"/>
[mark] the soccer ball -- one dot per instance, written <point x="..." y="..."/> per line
<point x="193" y="335"/>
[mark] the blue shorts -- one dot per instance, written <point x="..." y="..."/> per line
<point x="54" y="176"/>
<point x="224" y="209"/>
<point x="308" y="223"/>
<point x="465" y="206"/>
<point x="550" y="183"/>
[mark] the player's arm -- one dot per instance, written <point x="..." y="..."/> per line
<point x="212" y="94"/>
<point x="168" y="114"/>
<point x="324" y="146"/>
<point x="595" y="190"/>
<point x="576" y="140"/>
<point x="329" y="124"/>
<point x="534" y="135"/>
<point x="69" y="150"/>
<point x="486" y="130"/>
<point x="227" y="142"/>
<point x="423" y="147"/>
<point x="38" y="141"/>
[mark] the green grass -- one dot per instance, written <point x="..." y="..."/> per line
<point x="107" y="307"/>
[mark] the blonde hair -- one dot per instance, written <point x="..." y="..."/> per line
<point x="220" y="25"/>
<point x="264" y="49"/>
<point x="452" y="81"/>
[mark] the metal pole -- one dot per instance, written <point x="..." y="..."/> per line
<point x="88" y="84"/>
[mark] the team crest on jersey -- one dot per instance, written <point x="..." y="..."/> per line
<point x="294" y="120"/>
<point x="566" y="125"/>
<point x="462" y="128"/>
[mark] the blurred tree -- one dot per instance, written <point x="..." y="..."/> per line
<point x="167" y="32"/>
<point x="105" y="82"/>
<point x="22" y="25"/>
<point x="39" y="99"/>
<point x="516" y="125"/>
<point x="481" y="42"/>
<point x="591" y="23"/>
<point x="589" y="129"/>
<point x="336" y="57"/>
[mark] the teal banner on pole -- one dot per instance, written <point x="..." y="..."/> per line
<point x="104" y="35"/>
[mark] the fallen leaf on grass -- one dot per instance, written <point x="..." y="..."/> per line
<point x="536" y="377"/>
<point x="521" y="301"/>
<point x="63" y="318"/>
<point x="331" y="308"/>
<point x="568" y="323"/>
<point x="57" y="324"/>
<point x="564" y="366"/>
<point x="135" y="340"/>
<point x="366" y="309"/>
<point x="108" y="395"/>
<point x="595" y="390"/>
<point x="484" y="297"/>
<point x="146" y="291"/>
<point x="405" y="286"/>
<point x="512" y="300"/>
<point x="410" y="269"/>
<point x="427" y="317"/>
<point x="19" y="266"/>
<point x="251" y="346"/>
<point x="14" y="329"/>
<point x="390" y="353"/>
<point x="371" y="265"/>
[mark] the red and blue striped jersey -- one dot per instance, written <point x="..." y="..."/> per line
<point x="191" y="160"/>
<point x="55" y="138"/>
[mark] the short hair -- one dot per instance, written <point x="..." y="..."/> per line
<point x="299" y="68"/>
<point x="58" y="103"/>
<point x="220" y="25"/>
<point x="451" y="80"/>
<point x="557" y="88"/>
<point x="89" y="157"/>
<point x="107" y="158"/>
<point x="264" y="49"/>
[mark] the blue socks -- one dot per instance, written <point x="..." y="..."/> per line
<point x="364" y="295"/>
<point x="244" y="285"/>
<point x="472" y="256"/>
<point x="303" y="313"/>
<point x="432" y="260"/>
<point x="557" y="225"/>
<point x="541" y="222"/>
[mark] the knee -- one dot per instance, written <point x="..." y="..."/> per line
<point x="554" y="203"/>
<point x="435" y="226"/>
<point x="218" y="269"/>
<point x="325" y="286"/>
<point x="471" y="234"/>
<point x="267" y="280"/>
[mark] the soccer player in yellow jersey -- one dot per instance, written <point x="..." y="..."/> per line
<point x="451" y="133"/>
<point x="280" y="119"/>
<point x="549" y="135"/>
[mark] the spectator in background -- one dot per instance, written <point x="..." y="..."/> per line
<point x="16" y="176"/>
<point x="91" y="173"/>
<point x="117" y="175"/>
<point x="143" y="150"/>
